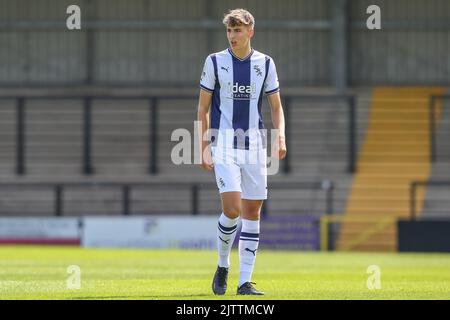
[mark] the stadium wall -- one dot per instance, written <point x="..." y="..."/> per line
<point x="184" y="232"/>
<point x="411" y="48"/>
<point x="40" y="230"/>
<point x="424" y="236"/>
<point x="165" y="42"/>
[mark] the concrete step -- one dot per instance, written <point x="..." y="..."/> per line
<point x="380" y="210"/>
<point x="395" y="157"/>
<point x="374" y="247"/>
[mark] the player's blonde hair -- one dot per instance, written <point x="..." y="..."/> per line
<point x="239" y="17"/>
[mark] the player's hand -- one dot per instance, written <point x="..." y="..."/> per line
<point x="281" y="152"/>
<point x="282" y="148"/>
<point x="207" y="163"/>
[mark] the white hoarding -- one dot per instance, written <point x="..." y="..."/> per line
<point x="150" y="232"/>
<point x="39" y="230"/>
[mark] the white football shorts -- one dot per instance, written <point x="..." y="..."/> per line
<point x="243" y="171"/>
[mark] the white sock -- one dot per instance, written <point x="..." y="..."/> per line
<point x="226" y="232"/>
<point x="248" y="244"/>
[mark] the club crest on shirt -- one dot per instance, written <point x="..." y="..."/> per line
<point x="258" y="70"/>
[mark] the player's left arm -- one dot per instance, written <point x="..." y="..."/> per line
<point x="278" y="123"/>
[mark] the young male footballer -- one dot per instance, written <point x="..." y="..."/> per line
<point x="232" y="85"/>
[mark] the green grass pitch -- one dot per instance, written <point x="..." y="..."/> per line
<point x="35" y="272"/>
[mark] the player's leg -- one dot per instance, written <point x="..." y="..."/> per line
<point x="228" y="178"/>
<point x="227" y="225"/>
<point x="248" y="245"/>
<point x="226" y="233"/>
<point x="254" y="191"/>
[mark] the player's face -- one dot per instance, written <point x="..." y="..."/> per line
<point x="239" y="36"/>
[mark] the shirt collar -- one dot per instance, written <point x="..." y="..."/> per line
<point x="247" y="57"/>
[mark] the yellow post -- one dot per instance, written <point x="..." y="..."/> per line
<point x="324" y="233"/>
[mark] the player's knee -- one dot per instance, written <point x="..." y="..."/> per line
<point x="252" y="215"/>
<point x="232" y="212"/>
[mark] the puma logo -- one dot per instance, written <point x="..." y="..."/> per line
<point x="223" y="68"/>
<point x="226" y="241"/>
<point x="252" y="251"/>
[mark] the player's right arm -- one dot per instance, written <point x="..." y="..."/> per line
<point x="204" y="103"/>
<point x="207" y="84"/>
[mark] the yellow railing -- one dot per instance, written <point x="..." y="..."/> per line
<point x="377" y="223"/>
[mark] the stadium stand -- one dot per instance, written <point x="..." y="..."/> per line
<point x="143" y="58"/>
<point x="436" y="198"/>
<point x="395" y="152"/>
<point x="120" y="152"/>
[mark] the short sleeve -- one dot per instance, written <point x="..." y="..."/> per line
<point x="271" y="85"/>
<point x="208" y="79"/>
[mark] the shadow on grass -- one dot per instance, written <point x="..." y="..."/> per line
<point x="142" y="297"/>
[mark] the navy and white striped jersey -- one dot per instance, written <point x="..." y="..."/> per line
<point x="238" y="86"/>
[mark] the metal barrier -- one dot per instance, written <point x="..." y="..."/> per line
<point x="127" y="188"/>
<point x="413" y="193"/>
<point x="350" y="101"/>
<point x="432" y="120"/>
<point x="328" y="236"/>
<point x="153" y="104"/>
